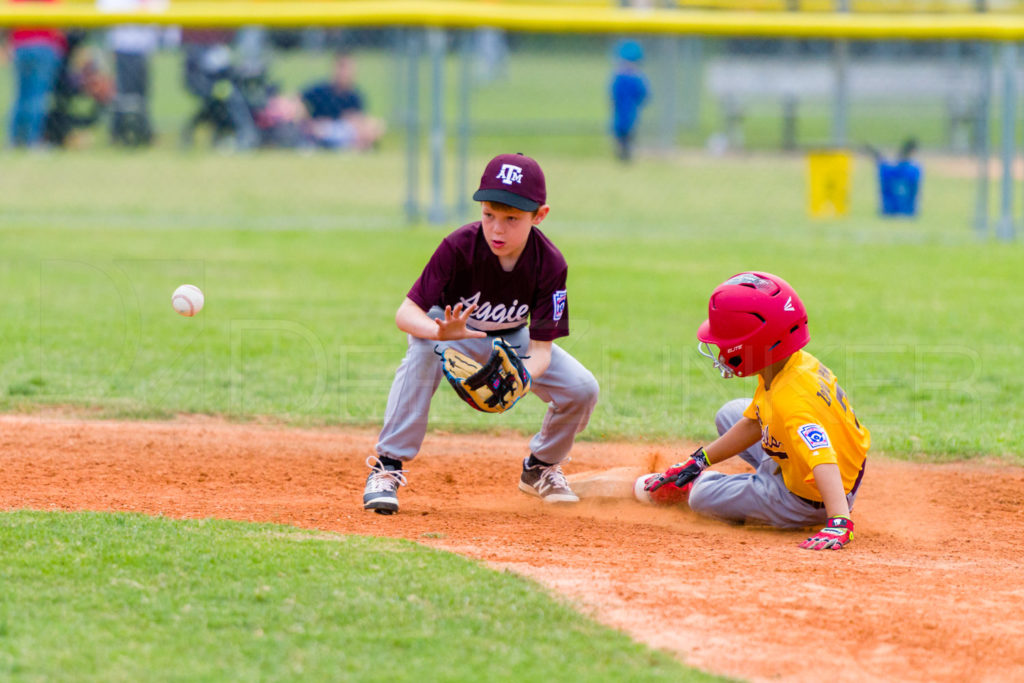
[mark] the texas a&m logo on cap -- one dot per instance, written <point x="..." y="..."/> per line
<point x="515" y="180"/>
<point x="510" y="174"/>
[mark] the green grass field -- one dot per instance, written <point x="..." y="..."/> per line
<point x="305" y="258"/>
<point x="93" y="597"/>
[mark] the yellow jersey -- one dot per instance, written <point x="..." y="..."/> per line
<point x="806" y="420"/>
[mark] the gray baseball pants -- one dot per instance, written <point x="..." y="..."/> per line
<point x="568" y="388"/>
<point x="759" y="497"/>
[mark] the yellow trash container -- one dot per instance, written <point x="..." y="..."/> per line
<point x="828" y="175"/>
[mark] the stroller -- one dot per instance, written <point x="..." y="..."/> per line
<point x="239" y="104"/>
<point x="230" y="96"/>
<point x="81" y="94"/>
<point x="224" y="93"/>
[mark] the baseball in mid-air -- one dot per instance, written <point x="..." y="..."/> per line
<point x="187" y="300"/>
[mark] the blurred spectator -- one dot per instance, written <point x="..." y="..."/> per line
<point x="238" y="103"/>
<point x="281" y="120"/>
<point x="37" y="57"/>
<point x="82" y="92"/>
<point x="629" y="93"/>
<point x="131" y="44"/>
<point x="336" y="111"/>
<point x="898" y="182"/>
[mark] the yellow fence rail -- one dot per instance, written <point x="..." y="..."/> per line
<point x="533" y="18"/>
<point x="856" y="6"/>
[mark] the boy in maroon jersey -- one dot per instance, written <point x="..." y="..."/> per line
<point x="500" y="276"/>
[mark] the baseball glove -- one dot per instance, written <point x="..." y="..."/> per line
<point x="493" y="387"/>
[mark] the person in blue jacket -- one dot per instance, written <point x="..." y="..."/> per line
<point x="899" y="182"/>
<point x="629" y="93"/>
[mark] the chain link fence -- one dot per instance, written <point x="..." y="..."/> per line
<point x="452" y="94"/>
<point x="139" y="86"/>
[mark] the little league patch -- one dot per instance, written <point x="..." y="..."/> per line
<point x="558" y="302"/>
<point x="814" y="436"/>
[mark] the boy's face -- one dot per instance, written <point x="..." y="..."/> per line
<point x="507" y="229"/>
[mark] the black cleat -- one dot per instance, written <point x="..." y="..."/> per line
<point x="381" y="493"/>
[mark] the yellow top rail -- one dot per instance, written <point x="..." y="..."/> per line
<point x="531" y="18"/>
<point x="856" y="6"/>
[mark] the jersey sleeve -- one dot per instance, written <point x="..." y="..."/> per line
<point x="809" y="439"/>
<point x="549" y="311"/>
<point x="428" y="289"/>
<point x="751" y="411"/>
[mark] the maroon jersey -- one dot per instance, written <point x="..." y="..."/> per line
<point x="464" y="270"/>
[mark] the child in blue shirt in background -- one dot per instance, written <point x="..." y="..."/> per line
<point x="629" y="93"/>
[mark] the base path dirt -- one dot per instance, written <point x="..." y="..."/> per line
<point x="932" y="589"/>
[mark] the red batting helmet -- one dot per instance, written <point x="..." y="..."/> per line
<point x="755" y="319"/>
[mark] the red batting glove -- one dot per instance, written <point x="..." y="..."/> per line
<point x="835" y="536"/>
<point x="682" y="474"/>
<point x="665" y="492"/>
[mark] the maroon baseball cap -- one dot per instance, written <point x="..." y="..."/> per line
<point x="513" y="179"/>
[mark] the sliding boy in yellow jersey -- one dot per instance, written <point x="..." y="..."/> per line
<point x="799" y="431"/>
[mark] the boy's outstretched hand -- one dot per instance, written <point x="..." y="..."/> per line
<point x="682" y="473"/>
<point x="454" y="324"/>
<point x="837" y="534"/>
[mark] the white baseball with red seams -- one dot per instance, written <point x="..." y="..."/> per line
<point x="640" y="488"/>
<point x="187" y="300"/>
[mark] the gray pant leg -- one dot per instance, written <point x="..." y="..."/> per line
<point x="405" y="420"/>
<point x="416" y="380"/>
<point x="570" y="390"/>
<point x="566" y="385"/>
<point x="728" y="415"/>
<point x="758" y="497"/>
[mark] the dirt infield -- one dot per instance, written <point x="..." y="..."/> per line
<point x="931" y="590"/>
